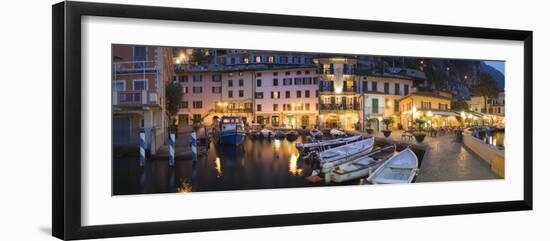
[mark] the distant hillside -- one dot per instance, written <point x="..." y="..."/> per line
<point x="497" y="75"/>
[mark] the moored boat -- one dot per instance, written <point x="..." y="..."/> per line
<point x="267" y="133"/>
<point x="336" y="132"/>
<point x="279" y="135"/>
<point x="292" y="135"/>
<point x="345" y="153"/>
<point x="401" y="168"/>
<point x="231" y="130"/>
<point x="315" y="133"/>
<point x="326" y="144"/>
<point x="360" y="167"/>
<point x="254" y="131"/>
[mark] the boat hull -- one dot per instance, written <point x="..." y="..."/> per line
<point x="345" y="154"/>
<point x="234" y="138"/>
<point x="401" y="168"/>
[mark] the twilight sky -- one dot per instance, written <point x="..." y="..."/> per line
<point x="499" y="65"/>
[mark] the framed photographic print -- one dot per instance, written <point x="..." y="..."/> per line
<point x="170" y="120"/>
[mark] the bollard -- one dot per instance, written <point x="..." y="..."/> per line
<point x="141" y="148"/>
<point x="194" y="146"/>
<point x="172" y="144"/>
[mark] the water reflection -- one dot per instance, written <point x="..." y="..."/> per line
<point x="293" y="166"/>
<point x="496" y="138"/>
<point x="277" y="144"/>
<point x="218" y="167"/>
<point x="185" y="186"/>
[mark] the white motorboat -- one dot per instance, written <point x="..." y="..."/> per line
<point x="360" y="167"/>
<point x="326" y="144"/>
<point x="345" y="153"/>
<point x="401" y="168"/>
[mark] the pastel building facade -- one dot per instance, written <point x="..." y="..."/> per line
<point x="380" y="98"/>
<point x="286" y="97"/>
<point x="237" y="95"/>
<point x="434" y="106"/>
<point x="201" y="97"/>
<point x="339" y="99"/>
<point x="139" y="76"/>
<point x="494" y="106"/>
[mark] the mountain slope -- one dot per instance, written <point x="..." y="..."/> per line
<point x="497" y="75"/>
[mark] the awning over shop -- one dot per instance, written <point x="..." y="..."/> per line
<point x="445" y="113"/>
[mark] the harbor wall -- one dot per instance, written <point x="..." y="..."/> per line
<point x="489" y="153"/>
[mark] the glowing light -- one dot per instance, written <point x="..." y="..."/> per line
<point x="218" y="167"/>
<point x="277" y="144"/>
<point x="429" y="114"/>
<point x="293" y="166"/>
<point x="185" y="186"/>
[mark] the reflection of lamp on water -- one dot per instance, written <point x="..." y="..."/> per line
<point x="277" y="144"/>
<point x="185" y="186"/>
<point x="293" y="166"/>
<point x="218" y="167"/>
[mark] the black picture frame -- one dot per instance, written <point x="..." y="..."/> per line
<point x="66" y="47"/>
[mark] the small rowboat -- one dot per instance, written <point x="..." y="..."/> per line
<point x="362" y="166"/>
<point x="326" y="144"/>
<point x="345" y="153"/>
<point x="401" y="168"/>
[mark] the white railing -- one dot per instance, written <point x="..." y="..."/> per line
<point x="135" y="97"/>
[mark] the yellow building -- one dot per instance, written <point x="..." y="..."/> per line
<point x="494" y="106"/>
<point x="434" y="107"/>
<point x="339" y="95"/>
<point x="380" y="96"/>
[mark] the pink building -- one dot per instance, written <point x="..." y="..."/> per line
<point x="202" y="94"/>
<point x="286" y="97"/>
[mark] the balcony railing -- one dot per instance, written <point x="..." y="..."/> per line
<point x="135" y="67"/>
<point x="349" y="89"/>
<point x="330" y="71"/>
<point x="136" y="98"/>
<point x="232" y="110"/>
<point x="339" y="107"/>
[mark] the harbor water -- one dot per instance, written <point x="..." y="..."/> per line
<point x="256" y="164"/>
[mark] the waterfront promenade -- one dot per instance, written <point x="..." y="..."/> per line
<point x="445" y="159"/>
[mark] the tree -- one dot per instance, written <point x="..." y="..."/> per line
<point x="420" y="122"/>
<point x="201" y="56"/>
<point x="173" y="98"/>
<point x="387" y="121"/>
<point x="459" y="105"/>
<point x="487" y="87"/>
